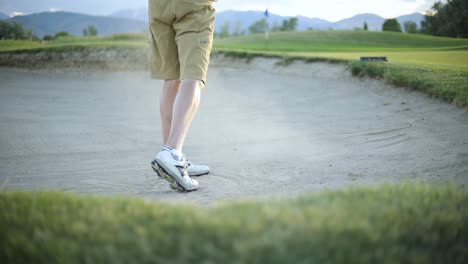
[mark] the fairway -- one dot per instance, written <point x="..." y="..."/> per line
<point x="398" y="47"/>
<point x="341" y="41"/>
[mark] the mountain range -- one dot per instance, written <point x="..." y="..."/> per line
<point x="49" y="23"/>
<point x="241" y="20"/>
<point x="136" y="20"/>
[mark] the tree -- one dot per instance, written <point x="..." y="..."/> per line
<point x="225" y="30"/>
<point x="15" y="31"/>
<point x="90" y="31"/>
<point x="449" y="20"/>
<point x="391" y="25"/>
<point x="366" y="27"/>
<point x="410" y="27"/>
<point x="259" y="26"/>
<point x="289" y="24"/>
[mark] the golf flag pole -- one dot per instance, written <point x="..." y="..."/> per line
<point x="267" y="30"/>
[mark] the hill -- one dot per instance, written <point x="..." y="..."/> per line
<point x="53" y="22"/>
<point x="4" y="16"/>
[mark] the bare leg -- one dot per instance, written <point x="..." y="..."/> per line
<point x="184" y="111"/>
<point x="168" y="95"/>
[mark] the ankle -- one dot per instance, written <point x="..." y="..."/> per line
<point x="175" y="152"/>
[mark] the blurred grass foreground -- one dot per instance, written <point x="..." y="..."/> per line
<point x="409" y="223"/>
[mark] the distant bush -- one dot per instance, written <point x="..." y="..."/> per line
<point x="259" y="26"/>
<point x="128" y="36"/>
<point x="90" y="31"/>
<point x="392" y="25"/>
<point x="48" y="38"/>
<point x="366" y="26"/>
<point x="289" y="24"/>
<point x="62" y="34"/>
<point x="15" y="31"/>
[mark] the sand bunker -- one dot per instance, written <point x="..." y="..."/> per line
<point x="265" y="130"/>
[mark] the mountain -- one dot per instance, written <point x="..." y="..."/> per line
<point x="49" y="23"/>
<point x="241" y="20"/>
<point x="374" y="22"/>
<point x="134" y="21"/>
<point x="307" y="23"/>
<point x="4" y="16"/>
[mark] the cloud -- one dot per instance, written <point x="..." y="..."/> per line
<point x="16" y="13"/>
<point x="53" y="9"/>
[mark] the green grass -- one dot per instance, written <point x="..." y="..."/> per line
<point x="390" y="224"/>
<point x="341" y="41"/>
<point x="74" y="43"/>
<point x="435" y="65"/>
<point x="444" y="82"/>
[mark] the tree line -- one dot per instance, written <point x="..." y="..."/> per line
<point x="447" y="20"/>
<point x="258" y="27"/>
<point x="16" y="31"/>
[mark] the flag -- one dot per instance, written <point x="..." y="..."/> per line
<point x="267" y="14"/>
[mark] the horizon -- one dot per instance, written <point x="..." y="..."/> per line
<point x="332" y="11"/>
<point x="228" y="10"/>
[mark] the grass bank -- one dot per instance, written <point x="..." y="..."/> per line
<point x="435" y="65"/>
<point x="447" y="83"/>
<point x="390" y="224"/>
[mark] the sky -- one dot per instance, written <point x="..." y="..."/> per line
<point x="332" y="10"/>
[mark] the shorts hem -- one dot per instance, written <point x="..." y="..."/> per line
<point x="158" y="76"/>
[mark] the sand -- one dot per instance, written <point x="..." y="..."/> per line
<point x="266" y="131"/>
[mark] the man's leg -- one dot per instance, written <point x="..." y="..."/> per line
<point x="166" y="106"/>
<point x="169" y="163"/>
<point x="184" y="110"/>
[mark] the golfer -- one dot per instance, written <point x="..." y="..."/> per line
<point x="181" y="37"/>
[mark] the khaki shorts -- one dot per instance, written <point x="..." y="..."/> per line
<point x="181" y="38"/>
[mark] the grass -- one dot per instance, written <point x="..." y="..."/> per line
<point x="74" y="43"/>
<point x="444" y="82"/>
<point x="341" y="41"/>
<point x="409" y="223"/>
<point x="434" y="65"/>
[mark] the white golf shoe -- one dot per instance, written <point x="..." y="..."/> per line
<point x="197" y="170"/>
<point x="174" y="171"/>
